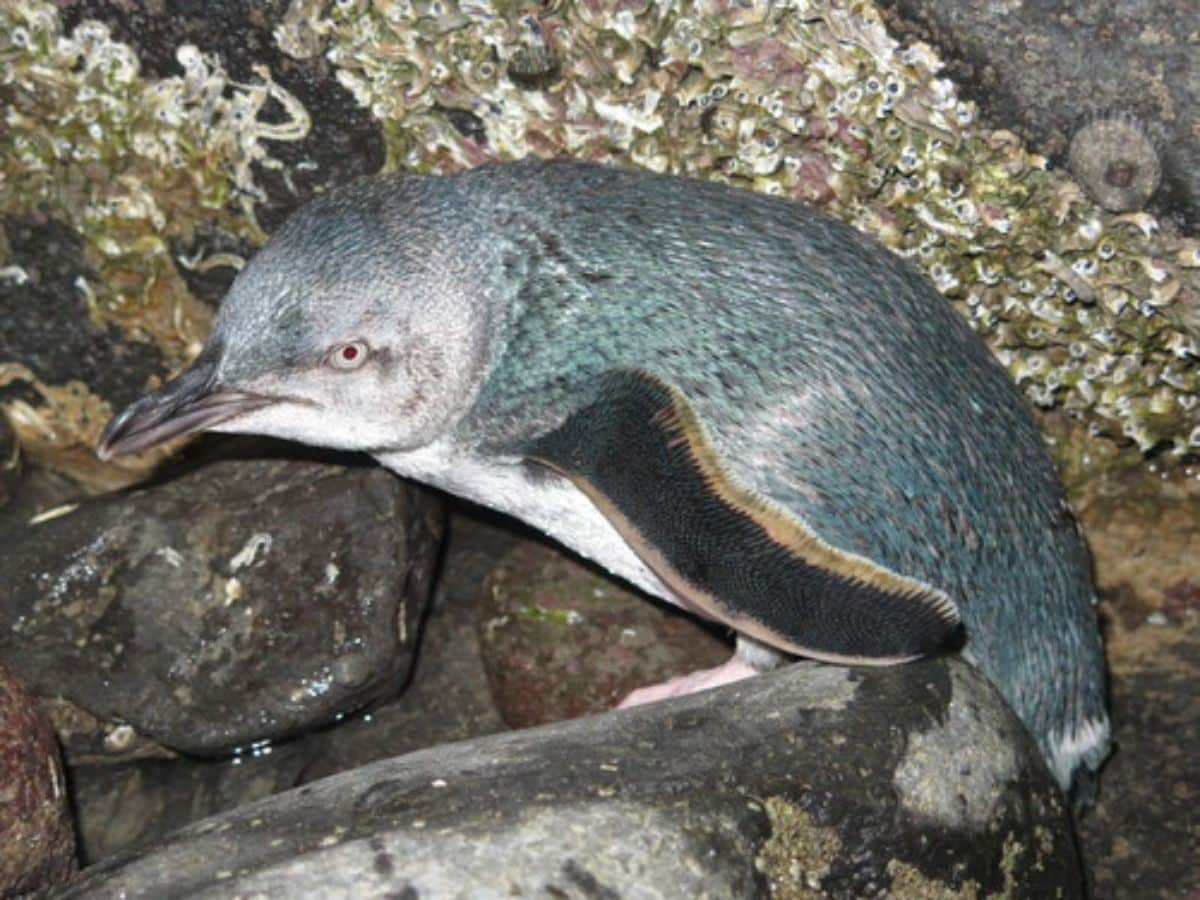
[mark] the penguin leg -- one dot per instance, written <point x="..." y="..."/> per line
<point x="750" y="658"/>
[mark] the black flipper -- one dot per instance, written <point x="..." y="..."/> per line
<point x="641" y="455"/>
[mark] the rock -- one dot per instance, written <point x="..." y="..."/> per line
<point x="1046" y="70"/>
<point x="124" y="806"/>
<point x="120" y="285"/>
<point x="852" y="783"/>
<point x="241" y="602"/>
<point x="45" y="324"/>
<point x="1144" y="533"/>
<point x="447" y="698"/>
<point x="51" y="347"/>
<point x="120" y="807"/>
<point x="10" y="461"/>
<point x="38" y="491"/>
<point x="37" y="843"/>
<point x="344" y="140"/>
<point x="560" y="640"/>
<point x="1142" y="838"/>
<point x="87" y="740"/>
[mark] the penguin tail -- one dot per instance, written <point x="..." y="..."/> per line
<point x="1076" y="758"/>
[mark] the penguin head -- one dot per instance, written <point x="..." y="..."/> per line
<point x="355" y="327"/>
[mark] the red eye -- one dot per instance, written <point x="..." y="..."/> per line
<point x="349" y="355"/>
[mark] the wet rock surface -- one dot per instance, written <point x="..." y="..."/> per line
<point x="693" y="797"/>
<point x="243" y="601"/>
<point x="37" y="841"/>
<point x="1142" y="836"/>
<point x="1138" y="840"/>
<point x="447" y="699"/>
<point x="86" y="738"/>
<point x="1045" y="69"/>
<point x="126" y="805"/>
<point x="560" y="640"/>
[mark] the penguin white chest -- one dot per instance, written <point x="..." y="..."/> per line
<point x="551" y="504"/>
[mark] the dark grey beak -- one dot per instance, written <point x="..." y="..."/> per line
<point x="189" y="403"/>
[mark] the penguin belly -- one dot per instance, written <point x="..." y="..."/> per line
<point x="546" y="501"/>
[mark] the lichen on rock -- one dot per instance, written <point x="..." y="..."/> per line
<point x="973" y="744"/>
<point x="798" y="854"/>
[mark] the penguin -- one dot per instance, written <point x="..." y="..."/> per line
<point x="732" y="401"/>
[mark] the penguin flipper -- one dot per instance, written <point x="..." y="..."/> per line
<point x="639" y="452"/>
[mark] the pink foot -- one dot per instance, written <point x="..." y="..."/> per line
<point x="727" y="673"/>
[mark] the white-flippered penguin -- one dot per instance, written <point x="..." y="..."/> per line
<point x="735" y="403"/>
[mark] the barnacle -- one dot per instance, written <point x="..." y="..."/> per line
<point x="129" y="162"/>
<point x="812" y="100"/>
<point x="1116" y="162"/>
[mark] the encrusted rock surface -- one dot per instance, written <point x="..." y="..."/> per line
<point x="241" y="602"/>
<point x="1048" y="68"/>
<point x="177" y="130"/>
<point x="37" y="840"/>
<point x="342" y="140"/>
<point x="57" y="365"/>
<point x="790" y="778"/>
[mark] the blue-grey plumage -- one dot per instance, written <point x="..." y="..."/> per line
<point x="450" y="325"/>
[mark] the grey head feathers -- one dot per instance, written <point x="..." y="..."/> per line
<point x="381" y="263"/>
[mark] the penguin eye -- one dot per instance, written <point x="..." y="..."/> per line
<point x="349" y="355"/>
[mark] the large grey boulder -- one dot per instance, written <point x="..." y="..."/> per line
<point x="809" y="781"/>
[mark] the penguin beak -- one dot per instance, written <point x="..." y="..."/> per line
<point x="187" y="404"/>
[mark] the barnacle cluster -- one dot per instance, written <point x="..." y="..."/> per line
<point x="1094" y="313"/>
<point x="130" y="163"/>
